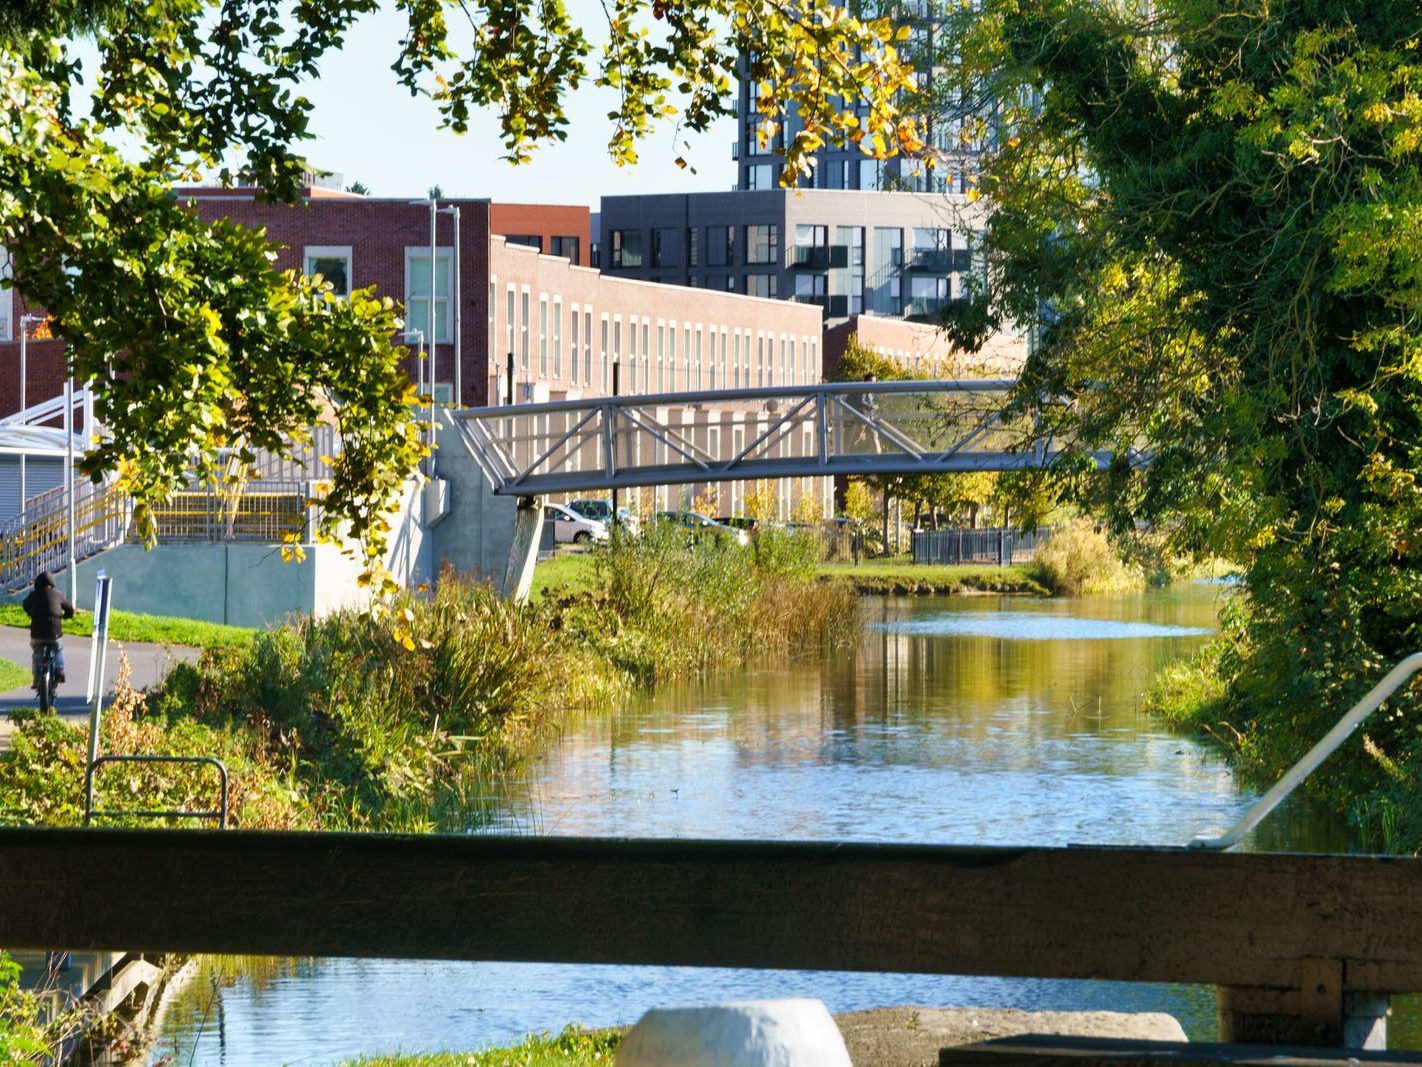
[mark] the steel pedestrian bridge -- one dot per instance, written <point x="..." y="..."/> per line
<point x="862" y="428"/>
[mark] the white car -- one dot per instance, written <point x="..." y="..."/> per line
<point x="569" y="526"/>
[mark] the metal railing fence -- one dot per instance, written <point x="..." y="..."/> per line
<point x="38" y="538"/>
<point x="263" y="512"/>
<point x="997" y="546"/>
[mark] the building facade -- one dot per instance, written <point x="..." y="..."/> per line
<point x="897" y="255"/>
<point x="357" y="241"/>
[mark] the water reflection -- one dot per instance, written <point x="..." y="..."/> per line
<point x="983" y="720"/>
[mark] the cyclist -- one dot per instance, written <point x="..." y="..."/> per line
<point x="47" y="608"/>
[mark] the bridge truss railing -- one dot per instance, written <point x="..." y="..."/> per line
<point x="733" y="435"/>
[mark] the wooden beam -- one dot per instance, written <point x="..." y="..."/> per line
<point x="1129" y="914"/>
<point x="1049" y="1050"/>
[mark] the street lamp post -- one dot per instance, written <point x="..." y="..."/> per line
<point x="25" y="321"/>
<point x="420" y="380"/>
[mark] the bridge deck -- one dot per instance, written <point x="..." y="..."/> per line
<point x="733" y="435"/>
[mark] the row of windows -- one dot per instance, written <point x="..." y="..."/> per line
<point x="334" y="263"/>
<point x="928" y="248"/>
<point x="569" y="345"/>
<point x="712" y="246"/>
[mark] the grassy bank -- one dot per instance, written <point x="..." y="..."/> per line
<point x="153" y="629"/>
<point x="13" y="675"/>
<point x="903" y="577"/>
<point x="399" y="721"/>
<point x="571" y="1048"/>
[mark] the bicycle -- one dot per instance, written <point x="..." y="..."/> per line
<point x="46" y="680"/>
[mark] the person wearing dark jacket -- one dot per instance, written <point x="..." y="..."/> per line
<point x="47" y="608"/>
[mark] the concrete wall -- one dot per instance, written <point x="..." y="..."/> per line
<point x="242" y="585"/>
<point x="476" y="534"/>
<point x="251" y="585"/>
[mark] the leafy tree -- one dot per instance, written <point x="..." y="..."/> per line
<point x="359" y="188"/>
<point x="195" y="343"/>
<point x="1211" y="212"/>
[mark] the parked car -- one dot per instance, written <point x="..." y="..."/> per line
<point x="601" y="510"/>
<point x="743" y="522"/>
<point x="569" y="526"/>
<point x="701" y="526"/>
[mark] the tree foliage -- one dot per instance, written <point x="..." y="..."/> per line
<point x="199" y="349"/>
<point x="1211" y="213"/>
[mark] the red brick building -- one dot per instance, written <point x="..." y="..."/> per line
<point x="357" y="241"/>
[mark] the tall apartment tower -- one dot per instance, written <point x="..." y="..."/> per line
<point x="948" y="127"/>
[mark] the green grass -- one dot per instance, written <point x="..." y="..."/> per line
<point x="572" y="572"/>
<point x="154" y="629"/>
<point x="571" y="1048"/>
<point x="13" y="675"/>
<point x="902" y="576"/>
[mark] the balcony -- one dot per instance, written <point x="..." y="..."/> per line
<point x="930" y="261"/>
<point x="924" y="307"/>
<point x="819" y="257"/>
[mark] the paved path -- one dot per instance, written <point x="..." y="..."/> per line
<point x="149" y="663"/>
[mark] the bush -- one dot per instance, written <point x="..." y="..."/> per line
<point x="1080" y="559"/>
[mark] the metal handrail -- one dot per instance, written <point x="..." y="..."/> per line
<point x="177" y="813"/>
<point x="1391" y="682"/>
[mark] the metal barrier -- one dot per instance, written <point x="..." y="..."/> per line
<point x="1330" y="741"/>
<point x="997" y="547"/>
<point x="90" y="813"/>
<point x="261" y="514"/>
<point x="38" y="538"/>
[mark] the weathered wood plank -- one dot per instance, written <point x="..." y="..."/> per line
<point x="1131" y="914"/>
<point x="1047" y="1050"/>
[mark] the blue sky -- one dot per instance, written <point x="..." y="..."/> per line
<point x="369" y="129"/>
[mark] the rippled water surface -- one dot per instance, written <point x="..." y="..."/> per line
<point x="984" y="720"/>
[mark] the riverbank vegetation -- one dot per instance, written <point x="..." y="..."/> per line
<point x="901" y="577"/>
<point x="570" y="1048"/>
<point x="1080" y="558"/>
<point x="402" y="719"/>
<point x="1230" y="294"/>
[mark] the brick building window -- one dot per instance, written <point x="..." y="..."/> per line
<point x="417" y="293"/>
<point x="763" y="243"/>
<point x="663" y="247"/>
<point x="567" y="247"/>
<point x="626" y="248"/>
<point x="528" y="240"/>
<point x="511" y="325"/>
<point x="333" y="262"/>
<point x="587" y="348"/>
<point x="631" y="357"/>
<point x="761" y="285"/>
<point x="558" y="337"/>
<point x="542" y="336"/>
<point x="573" y="347"/>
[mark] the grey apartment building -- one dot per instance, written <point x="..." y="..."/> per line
<point x="893" y="254"/>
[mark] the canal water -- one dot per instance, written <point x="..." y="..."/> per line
<point x="957" y="720"/>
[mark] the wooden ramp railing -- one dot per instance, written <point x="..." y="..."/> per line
<point x="1302" y="935"/>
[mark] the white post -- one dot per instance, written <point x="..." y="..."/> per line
<point x="25" y="321"/>
<point x="454" y="295"/>
<point x="98" y="647"/>
<point x="69" y="481"/>
<point x="433" y="331"/>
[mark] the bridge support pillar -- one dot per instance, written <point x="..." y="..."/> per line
<point x="1321" y="1012"/>
<point x="523" y="552"/>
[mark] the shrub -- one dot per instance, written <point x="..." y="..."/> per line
<point x="1080" y="559"/>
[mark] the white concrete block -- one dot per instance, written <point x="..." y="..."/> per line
<point x="751" y="1033"/>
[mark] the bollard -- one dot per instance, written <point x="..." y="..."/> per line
<point x="750" y="1033"/>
